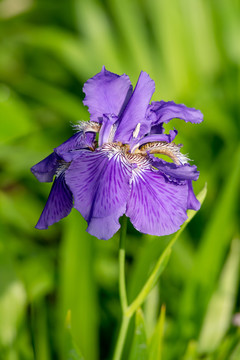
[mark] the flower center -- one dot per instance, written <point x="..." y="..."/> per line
<point x="62" y="166"/>
<point x="170" y="149"/>
<point x="106" y="132"/>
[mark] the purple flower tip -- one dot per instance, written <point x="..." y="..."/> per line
<point x="119" y="174"/>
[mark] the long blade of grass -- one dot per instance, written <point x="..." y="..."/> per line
<point x="162" y="261"/>
<point x="78" y="287"/>
<point x="236" y="353"/>
<point x="155" y="348"/>
<point x="139" y="347"/>
<point x="72" y="350"/>
<point x="219" y="311"/>
<point x="209" y="257"/>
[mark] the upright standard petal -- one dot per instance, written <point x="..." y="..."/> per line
<point x="133" y="122"/>
<point x="59" y="204"/>
<point x="156" y="206"/>
<point x="106" y="93"/>
<point x="46" y="169"/>
<point x="161" y="111"/>
<point x="99" y="182"/>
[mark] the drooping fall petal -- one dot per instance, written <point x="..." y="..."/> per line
<point x="99" y="182"/>
<point x="59" y="203"/>
<point x="156" y="206"/>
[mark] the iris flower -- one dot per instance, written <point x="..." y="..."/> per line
<point x="118" y="173"/>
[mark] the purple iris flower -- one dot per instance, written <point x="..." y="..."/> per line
<point x="118" y="173"/>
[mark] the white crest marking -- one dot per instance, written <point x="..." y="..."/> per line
<point x="136" y="131"/>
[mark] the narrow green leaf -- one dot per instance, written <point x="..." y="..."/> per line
<point x="202" y="38"/>
<point x="72" y="350"/>
<point x="139" y="347"/>
<point x="15" y="118"/>
<point x="172" y="39"/>
<point x="130" y="19"/>
<point x="215" y="240"/>
<point x="78" y="286"/>
<point x="162" y="261"/>
<point x="158" y="269"/>
<point x="38" y="276"/>
<point x="70" y="49"/>
<point x="40" y="330"/>
<point x="90" y="15"/>
<point x="151" y="310"/>
<point x="66" y="104"/>
<point x="155" y="348"/>
<point x="191" y="352"/>
<point x="236" y="353"/>
<point x="216" y="236"/>
<point x="219" y="312"/>
<point x="227" y="346"/>
<point x="12" y="303"/>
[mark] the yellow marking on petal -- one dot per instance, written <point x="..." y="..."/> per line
<point x="161" y="147"/>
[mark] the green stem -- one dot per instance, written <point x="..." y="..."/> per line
<point x="128" y="311"/>
<point x="121" y="338"/>
<point x="122" y="283"/>
<point x="122" y="292"/>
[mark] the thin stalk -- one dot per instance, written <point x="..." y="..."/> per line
<point x="122" y="292"/>
<point x="122" y="282"/>
<point x="121" y="338"/>
<point x="128" y="311"/>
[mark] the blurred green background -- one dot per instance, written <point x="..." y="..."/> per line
<point x="48" y="49"/>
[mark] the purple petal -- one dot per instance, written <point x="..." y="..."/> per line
<point x="157" y="129"/>
<point x="46" y="169"/>
<point x="106" y="131"/>
<point x="80" y="140"/>
<point x="154" y="138"/>
<point x="180" y="172"/>
<point x="104" y="228"/>
<point x="156" y="206"/>
<point x="192" y="202"/>
<point x="134" y="114"/>
<point x="106" y="93"/>
<point x="59" y="204"/>
<point x="161" y="111"/>
<point x="99" y="182"/>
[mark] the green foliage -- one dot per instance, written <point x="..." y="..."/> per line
<point x="12" y="304"/>
<point x="48" y="49"/>
<point x="156" y="342"/>
<point x="139" y="345"/>
<point x="78" y="288"/>
<point x="71" y="351"/>
<point x="236" y="353"/>
<point x="220" y="308"/>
